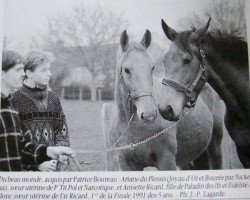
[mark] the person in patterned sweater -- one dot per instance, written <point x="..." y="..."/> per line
<point x="15" y="150"/>
<point x="40" y="110"/>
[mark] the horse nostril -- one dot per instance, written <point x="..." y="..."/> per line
<point x="142" y="115"/>
<point x="169" y="110"/>
<point x="168" y="113"/>
<point x="148" y="117"/>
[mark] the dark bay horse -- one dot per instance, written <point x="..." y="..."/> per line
<point x="196" y="57"/>
<point x="136" y="92"/>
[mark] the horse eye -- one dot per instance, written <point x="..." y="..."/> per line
<point x="186" y="61"/>
<point x="127" y="71"/>
<point x="153" y="68"/>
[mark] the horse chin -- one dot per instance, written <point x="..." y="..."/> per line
<point x="146" y="121"/>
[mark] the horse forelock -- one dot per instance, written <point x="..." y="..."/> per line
<point x="183" y="40"/>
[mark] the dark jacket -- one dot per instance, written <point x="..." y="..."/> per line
<point x="15" y="149"/>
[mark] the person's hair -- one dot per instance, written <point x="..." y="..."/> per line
<point x="10" y="59"/>
<point x="35" y="58"/>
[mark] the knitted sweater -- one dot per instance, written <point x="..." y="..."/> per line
<point x="42" y="116"/>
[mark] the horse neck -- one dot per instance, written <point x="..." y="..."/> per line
<point x="231" y="82"/>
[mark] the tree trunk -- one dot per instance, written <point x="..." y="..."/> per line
<point x="80" y="93"/>
<point x="93" y="92"/>
<point x="99" y="94"/>
<point x="63" y="93"/>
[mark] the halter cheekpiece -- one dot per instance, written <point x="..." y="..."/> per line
<point x="133" y="96"/>
<point x="190" y="92"/>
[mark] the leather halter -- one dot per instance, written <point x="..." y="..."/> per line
<point x="193" y="90"/>
<point x="133" y="96"/>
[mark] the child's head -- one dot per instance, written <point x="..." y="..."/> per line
<point x="12" y="70"/>
<point x="37" y="67"/>
<point x="10" y="59"/>
<point x="35" y="59"/>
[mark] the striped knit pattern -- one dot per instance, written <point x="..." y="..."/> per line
<point x="43" y="120"/>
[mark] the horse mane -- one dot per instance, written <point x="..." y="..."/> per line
<point x="230" y="47"/>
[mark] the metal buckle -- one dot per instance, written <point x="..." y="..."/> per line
<point x="129" y="97"/>
<point x="203" y="67"/>
<point x="202" y="53"/>
<point x="190" y="104"/>
<point x="189" y="92"/>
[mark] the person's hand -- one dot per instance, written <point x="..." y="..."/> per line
<point x="60" y="152"/>
<point x="48" y="166"/>
<point x="63" y="159"/>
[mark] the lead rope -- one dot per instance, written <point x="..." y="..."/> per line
<point x="133" y="145"/>
<point x="130" y="146"/>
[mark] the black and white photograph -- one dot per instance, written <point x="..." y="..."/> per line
<point x="135" y="85"/>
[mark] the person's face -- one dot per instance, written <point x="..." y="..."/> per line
<point x="41" y="75"/>
<point x="13" y="77"/>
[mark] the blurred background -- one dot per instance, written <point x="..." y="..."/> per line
<point x="83" y="36"/>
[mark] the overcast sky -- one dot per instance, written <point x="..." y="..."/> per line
<point x="26" y="18"/>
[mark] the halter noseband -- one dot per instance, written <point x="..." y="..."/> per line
<point x="133" y="96"/>
<point x="192" y="91"/>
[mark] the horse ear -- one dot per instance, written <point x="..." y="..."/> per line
<point x="146" y="40"/>
<point x="169" y="32"/>
<point x="124" y="40"/>
<point x="203" y="30"/>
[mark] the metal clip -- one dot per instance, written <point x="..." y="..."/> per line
<point x="83" y="163"/>
<point x="132" y="146"/>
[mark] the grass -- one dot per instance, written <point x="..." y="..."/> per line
<point x="84" y="122"/>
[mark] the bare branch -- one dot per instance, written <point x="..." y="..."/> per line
<point x="228" y="16"/>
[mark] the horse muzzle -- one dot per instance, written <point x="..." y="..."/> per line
<point x="168" y="113"/>
<point x="148" y="117"/>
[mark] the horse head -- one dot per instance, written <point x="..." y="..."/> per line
<point x="185" y="71"/>
<point x="134" y="71"/>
